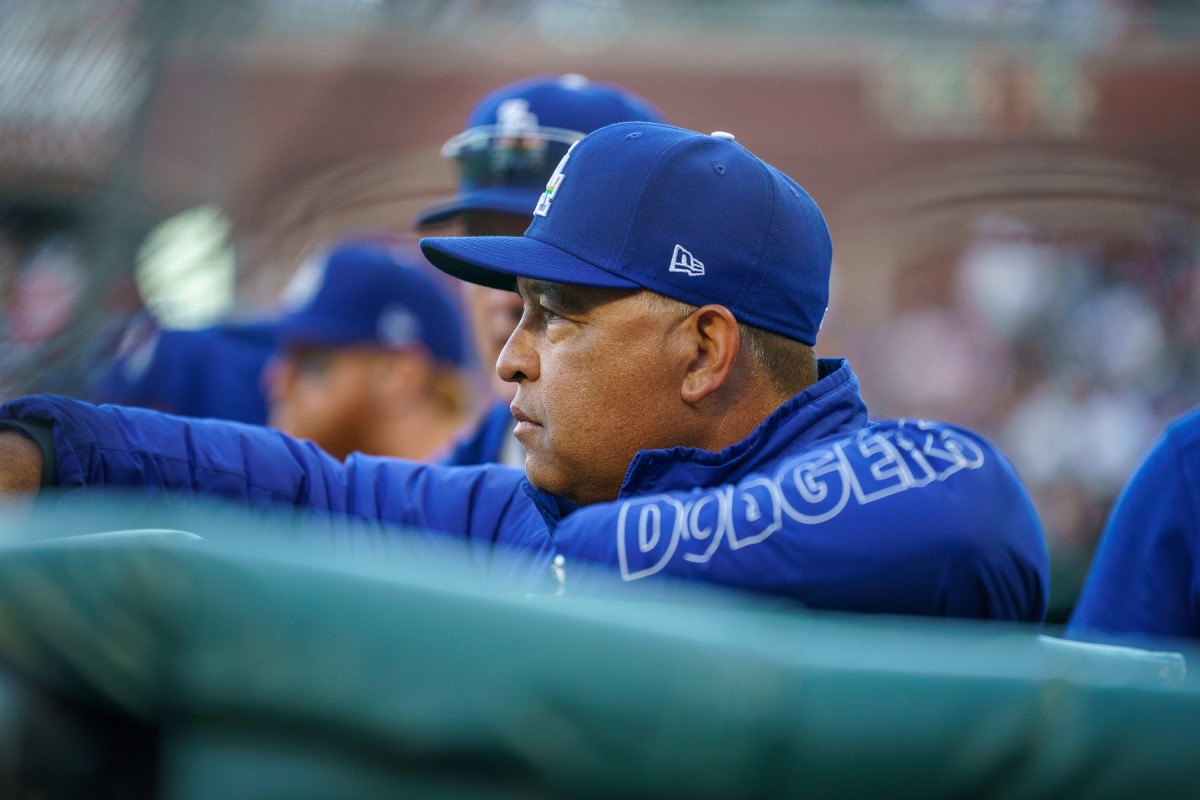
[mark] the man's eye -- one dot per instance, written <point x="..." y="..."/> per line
<point x="312" y="362"/>
<point x="543" y="313"/>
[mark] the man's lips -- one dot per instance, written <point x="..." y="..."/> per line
<point x="524" y="423"/>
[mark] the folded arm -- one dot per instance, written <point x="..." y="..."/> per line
<point x="98" y="447"/>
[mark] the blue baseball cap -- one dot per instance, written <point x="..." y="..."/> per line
<point x="363" y="293"/>
<point x="516" y="134"/>
<point x="691" y="216"/>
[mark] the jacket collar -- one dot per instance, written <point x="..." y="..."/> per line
<point x="830" y="406"/>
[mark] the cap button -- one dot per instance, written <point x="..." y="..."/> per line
<point x="722" y="135"/>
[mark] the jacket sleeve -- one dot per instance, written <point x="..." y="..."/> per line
<point x="155" y="453"/>
<point x="903" y="517"/>
<point x="1143" y="579"/>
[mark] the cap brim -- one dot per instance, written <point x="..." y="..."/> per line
<point x="505" y="200"/>
<point x="497" y="261"/>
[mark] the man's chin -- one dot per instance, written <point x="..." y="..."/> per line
<point x="544" y="479"/>
<point x="538" y="476"/>
<point x="577" y="493"/>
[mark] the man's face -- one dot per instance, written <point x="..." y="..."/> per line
<point x="494" y="312"/>
<point x="324" y="395"/>
<point x="598" y="375"/>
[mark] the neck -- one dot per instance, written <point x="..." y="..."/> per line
<point x="737" y="409"/>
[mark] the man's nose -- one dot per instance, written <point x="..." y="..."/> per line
<point x="518" y="360"/>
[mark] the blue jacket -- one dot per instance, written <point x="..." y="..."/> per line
<point x="1144" y="580"/>
<point x="205" y="372"/>
<point x="816" y="504"/>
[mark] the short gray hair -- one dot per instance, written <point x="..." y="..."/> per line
<point x="788" y="365"/>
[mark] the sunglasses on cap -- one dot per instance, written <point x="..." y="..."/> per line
<point x="490" y="155"/>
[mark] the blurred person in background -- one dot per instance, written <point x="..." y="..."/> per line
<point x="1143" y="584"/>
<point x="42" y="288"/>
<point x="214" y="371"/>
<point x="372" y="358"/>
<point x="514" y="138"/>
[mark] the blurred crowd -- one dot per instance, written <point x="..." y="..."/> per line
<point x="1071" y="355"/>
<point x="42" y="288"/>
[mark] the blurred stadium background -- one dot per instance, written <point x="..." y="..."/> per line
<point x="1013" y="186"/>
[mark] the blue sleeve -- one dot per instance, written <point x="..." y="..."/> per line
<point x="1142" y="582"/>
<point x="114" y="446"/>
<point x="901" y="518"/>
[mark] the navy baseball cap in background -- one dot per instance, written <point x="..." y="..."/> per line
<point x="518" y="133"/>
<point x="362" y="293"/>
<point x="691" y="216"/>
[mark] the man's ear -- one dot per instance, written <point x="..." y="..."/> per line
<point x="715" y="341"/>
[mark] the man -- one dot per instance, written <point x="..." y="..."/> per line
<point x="513" y="139"/>
<point x="373" y="360"/>
<point x="1142" y="584"/>
<point x="676" y="419"/>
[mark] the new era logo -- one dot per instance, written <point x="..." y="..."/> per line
<point x="683" y="261"/>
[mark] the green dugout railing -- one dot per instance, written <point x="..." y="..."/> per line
<point x="253" y="662"/>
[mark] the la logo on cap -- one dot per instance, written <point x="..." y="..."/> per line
<point x="514" y="119"/>
<point x="543" y="203"/>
